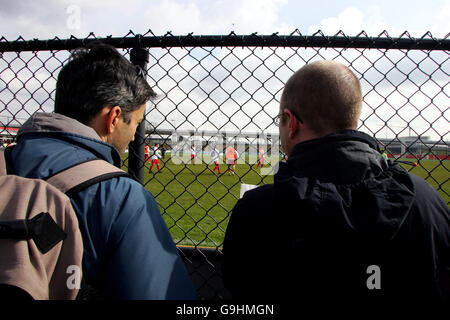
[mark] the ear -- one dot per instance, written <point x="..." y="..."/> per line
<point x="112" y="118"/>
<point x="293" y="123"/>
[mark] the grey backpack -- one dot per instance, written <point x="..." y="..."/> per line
<point x="41" y="247"/>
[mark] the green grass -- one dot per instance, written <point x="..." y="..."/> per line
<point x="196" y="203"/>
<point x="435" y="172"/>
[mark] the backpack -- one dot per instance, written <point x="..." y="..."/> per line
<point x="41" y="247"/>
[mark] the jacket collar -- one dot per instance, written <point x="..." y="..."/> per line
<point x="73" y="130"/>
<point x="342" y="155"/>
<point x="41" y="122"/>
<point x="353" y="135"/>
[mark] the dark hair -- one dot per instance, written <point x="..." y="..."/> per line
<point x="98" y="76"/>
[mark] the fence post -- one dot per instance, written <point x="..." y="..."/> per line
<point x="136" y="161"/>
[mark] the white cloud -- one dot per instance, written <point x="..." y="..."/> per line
<point x="441" y="27"/>
<point x="174" y="16"/>
<point x="219" y="17"/>
<point x="43" y="20"/>
<point x="352" y="21"/>
<point x="49" y="18"/>
<point x="374" y="20"/>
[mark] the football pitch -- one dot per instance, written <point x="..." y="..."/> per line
<point x="196" y="203"/>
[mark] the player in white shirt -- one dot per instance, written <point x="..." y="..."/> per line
<point x="215" y="159"/>
<point x="155" y="157"/>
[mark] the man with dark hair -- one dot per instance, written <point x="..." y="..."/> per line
<point x="100" y="100"/>
<point x="340" y="224"/>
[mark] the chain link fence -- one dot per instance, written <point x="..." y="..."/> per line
<point x="220" y="91"/>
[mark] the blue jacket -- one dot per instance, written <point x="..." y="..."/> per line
<point x="128" y="251"/>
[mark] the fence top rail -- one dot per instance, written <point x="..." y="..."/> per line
<point x="362" y="41"/>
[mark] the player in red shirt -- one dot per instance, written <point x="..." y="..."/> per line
<point x="231" y="156"/>
<point x="261" y="158"/>
<point x="147" y="154"/>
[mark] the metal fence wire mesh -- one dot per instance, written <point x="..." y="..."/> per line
<point x="217" y="91"/>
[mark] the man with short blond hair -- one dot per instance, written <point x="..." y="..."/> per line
<point x="326" y="94"/>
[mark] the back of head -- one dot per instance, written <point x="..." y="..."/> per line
<point x="98" y="76"/>
<point x="326" y="95"/>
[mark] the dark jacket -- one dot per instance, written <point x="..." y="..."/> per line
<point x="336" y="209"/>
<point x="128" y="251"/>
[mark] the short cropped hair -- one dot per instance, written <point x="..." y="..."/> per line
<point x="98" y="76"/>
<point x="326" y="95"/>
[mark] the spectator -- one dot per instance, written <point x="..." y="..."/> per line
<point x="339" y="224"/>
<point x="100" y="100"/>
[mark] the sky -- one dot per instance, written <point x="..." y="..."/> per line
<point x="46" y="19"/>
<point x="63" y="18"/>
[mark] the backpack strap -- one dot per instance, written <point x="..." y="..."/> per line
<point x="2" y="163"/>
<point x="5" y="161"/>
<point x="75" y="179"/>
<point x="83" y="175"/>
<point x="78" y="177"/>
